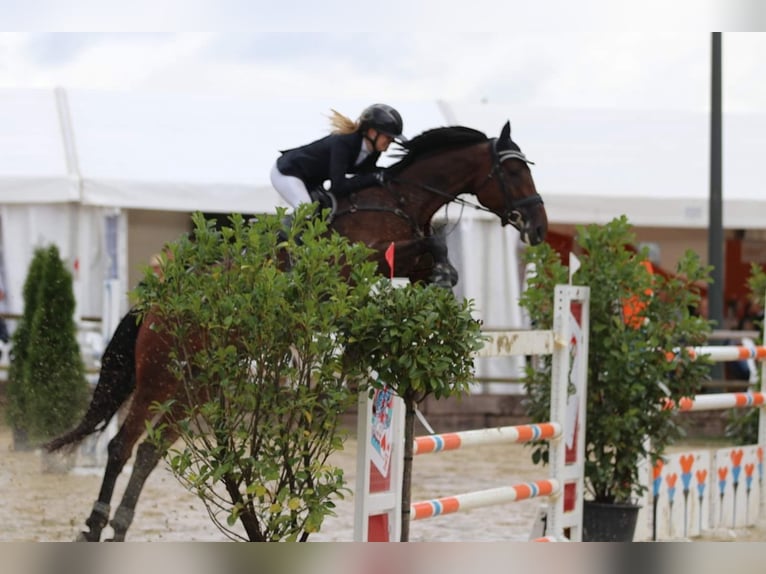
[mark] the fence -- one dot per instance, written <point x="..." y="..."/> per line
<point x="380" y="437"/>
<point x="708" y="490"/>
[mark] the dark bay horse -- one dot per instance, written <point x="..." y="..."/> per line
<point x="437" y="167"/>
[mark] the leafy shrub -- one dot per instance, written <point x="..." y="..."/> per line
<point x="47" y="389"/>
<point x="630" y="378"/>
<point x="264" y="348"/>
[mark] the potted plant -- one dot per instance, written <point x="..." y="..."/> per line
<point x="47" y="389"/>
<point x="640" y="325"/>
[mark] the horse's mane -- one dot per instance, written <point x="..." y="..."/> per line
<point x="436" y="139"/>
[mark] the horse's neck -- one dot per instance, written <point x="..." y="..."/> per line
<point x="439" y="179"/>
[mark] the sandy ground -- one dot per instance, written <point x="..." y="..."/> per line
<point x="38" y="506"/>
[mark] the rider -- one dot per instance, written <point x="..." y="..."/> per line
<point x="353" y="147"/>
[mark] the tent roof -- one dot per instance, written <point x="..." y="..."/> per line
<point x="185" y="152"/>
<point x="32" y="163"/>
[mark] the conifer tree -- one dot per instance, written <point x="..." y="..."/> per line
<point x="19" y="345"/>
<point x="49" y="390"/>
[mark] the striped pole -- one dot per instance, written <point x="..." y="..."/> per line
<point x="726" y="353"/>
<point x="516" y="434"/>
<point x="551" y="539"/>
<point x="480" y="498"/>
<point x="719" y="401"/>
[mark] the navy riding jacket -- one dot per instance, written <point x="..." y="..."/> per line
<point x="331" y="157"/>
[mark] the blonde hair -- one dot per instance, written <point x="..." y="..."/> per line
<point x="342" y="124"/>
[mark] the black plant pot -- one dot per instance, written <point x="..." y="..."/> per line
<point x="609" y="522"/>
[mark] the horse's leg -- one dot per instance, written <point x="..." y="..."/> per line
<point x="119" y="451"/>
<point x="441" y="273"/>
<point x="444" y="273"/>
<point x="153" y="385"/>
<point x="147" y="456"/>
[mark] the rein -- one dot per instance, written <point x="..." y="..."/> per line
<point x="403" y="214"/>
<point x="510" y="215"/>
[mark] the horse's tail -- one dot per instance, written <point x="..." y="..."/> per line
<point x="116" y="382"/>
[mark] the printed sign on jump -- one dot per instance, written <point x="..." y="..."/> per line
<point x="382" y="431"/>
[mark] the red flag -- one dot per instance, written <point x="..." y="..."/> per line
<point x="390" y="258"/>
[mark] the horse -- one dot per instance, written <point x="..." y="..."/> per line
<point x="435" y="168"/>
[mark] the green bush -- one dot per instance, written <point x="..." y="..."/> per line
<point x="629" y="375"/>
<point x="420" y="341"/>
<point x="47" y="390"/>
<point x="20" y="343"/>
<point x="284" y="355"/>
<point x="265" y="349"/>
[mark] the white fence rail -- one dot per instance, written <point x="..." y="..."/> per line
<point x="708" y="490"/>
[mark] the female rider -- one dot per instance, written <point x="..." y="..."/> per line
<point x="353" y="147"/>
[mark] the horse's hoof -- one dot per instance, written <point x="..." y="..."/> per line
<point x="442" y="281"/>
<point x="444" y="276"/>
<point x="85" y="537"/>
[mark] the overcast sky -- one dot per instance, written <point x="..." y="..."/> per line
<point x="547" y="54"/>
<point x="512" y="60"/>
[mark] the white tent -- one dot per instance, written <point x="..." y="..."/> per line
<point x="72" y="163"/>
<point x="39" y="195"/>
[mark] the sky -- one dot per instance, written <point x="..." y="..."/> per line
<point x="502" y="52"/>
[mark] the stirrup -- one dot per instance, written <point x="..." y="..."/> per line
<point x="326" y="200"/>
<point x="287" y="224"/>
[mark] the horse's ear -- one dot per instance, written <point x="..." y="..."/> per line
<point x="505" y="133"/>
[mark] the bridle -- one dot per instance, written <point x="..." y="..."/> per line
<point x="513" y="207"/>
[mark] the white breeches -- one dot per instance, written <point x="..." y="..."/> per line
<point x="291" y="188"/>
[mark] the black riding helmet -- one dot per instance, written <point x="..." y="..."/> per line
<point x="383" y="118"/>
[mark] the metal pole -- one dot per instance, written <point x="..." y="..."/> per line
<point x="715" y="222"/>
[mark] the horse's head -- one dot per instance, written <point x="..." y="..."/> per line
<point x="510" y="191"/>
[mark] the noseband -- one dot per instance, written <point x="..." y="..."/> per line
<point x="513" y="207"/>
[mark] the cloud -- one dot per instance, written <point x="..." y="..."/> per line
<point x="505" y="62"/>
<point x="57" y="48"/>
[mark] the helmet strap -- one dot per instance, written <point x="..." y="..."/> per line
<point x="372" y="141"/>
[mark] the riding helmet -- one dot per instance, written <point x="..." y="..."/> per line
<point x="383" y="118"/>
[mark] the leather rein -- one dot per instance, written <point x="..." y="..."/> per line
<point x="512" y="214"/>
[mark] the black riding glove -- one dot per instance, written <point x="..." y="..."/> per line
<point x="381" y="176"/>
